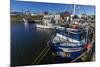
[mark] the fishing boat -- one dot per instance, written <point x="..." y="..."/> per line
<point x="48" y="22"/>
<point x="27" y="17"/>
<point x="68" y="43"/>
<point x="45" y="26"/>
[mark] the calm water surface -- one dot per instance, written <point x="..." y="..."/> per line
<point x="26" y="43"/>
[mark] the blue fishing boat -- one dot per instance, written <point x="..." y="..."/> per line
<point x="68" y="42"/>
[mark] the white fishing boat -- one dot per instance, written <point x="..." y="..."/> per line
<point x="44" y="26"/>
<point x="48" y="22"/>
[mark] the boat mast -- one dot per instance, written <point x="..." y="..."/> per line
<point x="74" y="10"/>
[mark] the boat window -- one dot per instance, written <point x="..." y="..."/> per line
<point x="47" y="18"/>
<point x="78" y="36"/>
<point x="82" y="36"/>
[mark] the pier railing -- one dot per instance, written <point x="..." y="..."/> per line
<point x="41" y="55"/>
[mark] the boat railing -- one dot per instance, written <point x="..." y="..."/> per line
<point x="89" y="52"/>
<point x="71" y="29"/>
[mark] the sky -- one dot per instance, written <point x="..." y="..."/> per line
<point x="38" y="7"/>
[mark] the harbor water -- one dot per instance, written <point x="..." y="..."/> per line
<point x="27" y="43"/>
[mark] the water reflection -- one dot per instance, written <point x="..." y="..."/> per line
<point x="26" y="25"/>
<point x="26" y="42"/>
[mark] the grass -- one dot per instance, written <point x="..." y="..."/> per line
<point x="19" y="17"/>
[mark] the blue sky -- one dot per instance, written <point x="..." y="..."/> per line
<point x="50" y="7"/>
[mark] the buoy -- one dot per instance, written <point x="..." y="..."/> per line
<point x="88" y="46"/>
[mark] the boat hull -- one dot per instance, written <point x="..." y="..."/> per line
<point x="44" y="26"/>
<point x="68" y="55"/>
